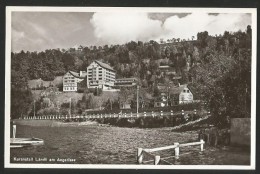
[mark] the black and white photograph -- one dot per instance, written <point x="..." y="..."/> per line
<point x="137" y="88"/>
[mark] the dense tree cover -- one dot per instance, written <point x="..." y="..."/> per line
<point x="222" y="76"/>
<point x="218" y="68"/>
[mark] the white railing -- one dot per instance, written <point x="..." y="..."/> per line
<point x="109" y="115"/>
<point x="156" y="159"/>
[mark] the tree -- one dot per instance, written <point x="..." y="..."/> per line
<point x="202" y="38"/>
<point x="224" y="83"/>
<point x="21" y="102"/>
<point x="124" y="95"/>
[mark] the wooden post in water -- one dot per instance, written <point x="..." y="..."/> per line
<point x="156" y="160"/>
<point x="202" y="145"/>
<point x="140" y="155"/>
<point x="14" y="130"/>
<point x="177" y="150"/>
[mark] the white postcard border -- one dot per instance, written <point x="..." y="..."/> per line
<point x="11" y="9"/>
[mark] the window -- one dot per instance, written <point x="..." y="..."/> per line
<point x="188" y="91"/>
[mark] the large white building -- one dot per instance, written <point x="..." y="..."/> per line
<point x="71" y="80"/>
<point x="100" y="75"/>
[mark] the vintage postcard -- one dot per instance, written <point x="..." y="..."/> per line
<point x="132" y="88"/>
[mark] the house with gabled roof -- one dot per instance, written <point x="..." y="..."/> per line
<point x="71" y="80"/>
<point x="100" y="75"/>
<point x="173" y="95"/>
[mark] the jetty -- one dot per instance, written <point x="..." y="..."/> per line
<point x="23" y="142"/>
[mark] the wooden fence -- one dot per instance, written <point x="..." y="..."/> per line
<point x="110" y="115"/>
<point x="156" y="159"/>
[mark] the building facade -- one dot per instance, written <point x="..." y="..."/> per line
<point x="126" y="82"/>
<point x="185" y="95"/>
<point x="100" y="75"/>
<point x="71" y="80"/>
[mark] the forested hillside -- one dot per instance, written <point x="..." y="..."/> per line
<point x="217" y="68"/>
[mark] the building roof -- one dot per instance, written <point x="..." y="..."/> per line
<point x="164" y="66"/>
<point x="176" y="77"/>
<point x="104" y="65"/>
<point x="174" y="90"/>
<point x="130" y="78"/>
<point x="75" y="74"/>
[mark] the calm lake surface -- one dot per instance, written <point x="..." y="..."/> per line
<point x="113" y="145"/>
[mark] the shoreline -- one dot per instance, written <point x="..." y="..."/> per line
<point x="53" y="123"/>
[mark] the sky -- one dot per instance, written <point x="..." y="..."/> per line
<point x="38" y="31"/>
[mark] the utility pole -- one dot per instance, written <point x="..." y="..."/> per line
<point x="137" y="102"/>
<point x="168" y="95"/>
<point x="70" y="106"/>
<point x="34" y="108"/>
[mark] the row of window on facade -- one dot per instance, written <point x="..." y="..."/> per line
<point x="69" y="88"/>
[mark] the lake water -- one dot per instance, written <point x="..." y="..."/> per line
<point x="113" y="145"/>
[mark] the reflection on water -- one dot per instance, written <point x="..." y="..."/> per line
<point x="113" y="145"/>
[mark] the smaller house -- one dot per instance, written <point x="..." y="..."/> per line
<point x="182" y="93"/>
<point x="71" y="80"/>
<point x="171" y="95"/>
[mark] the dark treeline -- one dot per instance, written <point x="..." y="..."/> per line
<point x="217" y="68"/>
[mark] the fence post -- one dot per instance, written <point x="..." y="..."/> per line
<point x="202" y="145"/>
<point x="177" y="150"/>
<point x="152" y="113"/>
<point x="156" y="160"/>
<point x="161" y="113"/>
<point x="131" y="115"/>
<point x="139" y="155"/>
<point x="14" y="131"/>
<point x="171" y="113"/>
<point x="145" y="114"/>
<point x="125" y="115"/>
